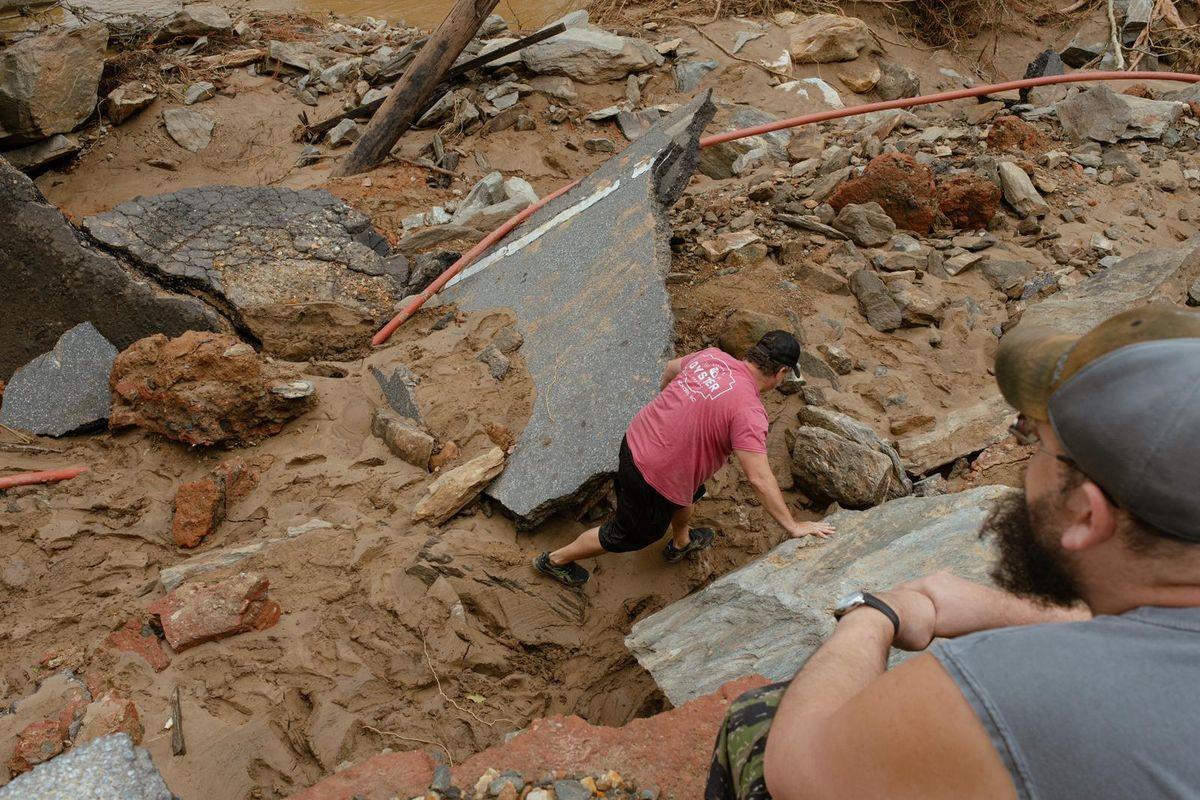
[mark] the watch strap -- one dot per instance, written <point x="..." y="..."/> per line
<point x="883" y="608"/>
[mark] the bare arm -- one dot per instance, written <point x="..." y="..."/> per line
<point x="758" y="472"/>
<point x="671" y="370"/>
<point x="847" y="728"/>
<point x="964" y="606"/>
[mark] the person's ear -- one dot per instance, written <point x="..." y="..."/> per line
<point x="1091" y="518"/>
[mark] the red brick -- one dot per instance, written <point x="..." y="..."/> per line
<point x="74" y="706"/>
<point x="40" y="741"/>
<point x="198" y="613"/>
<point x="1012" y="133"/>
<point x="670" y="750"/>
<point x="968" y="201"/>
<point x="901" y="186"/>
<point x="111" y="713"/>
<point x="137" y="637"/>
<point x="199" y="509"/>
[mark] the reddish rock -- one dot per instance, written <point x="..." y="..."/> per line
<point x="200" y="506"/>
<point x="74" y="707"/>
<point x="201" y="612"/>
<point x="1012" y="133"/>
<point x="901" y="186"/>
<point x="112" y="713"/>
<point x="205" y="389"/>
<point x="38" y="742"/>
<point x="968" y="201"/>
<point x="1139" y="90"/>
<point x="137" y="637"/>
<point x="670" y="750"/>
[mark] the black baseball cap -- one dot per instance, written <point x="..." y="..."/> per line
<point x="782" y="348"/>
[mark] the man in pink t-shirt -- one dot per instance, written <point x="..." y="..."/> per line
<point x="709" y="406"/>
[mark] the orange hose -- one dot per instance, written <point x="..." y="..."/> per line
<point x="31" y="478"/>
<point x="808" y="119"/>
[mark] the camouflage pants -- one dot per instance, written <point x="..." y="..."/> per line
<point x="737" y="766"/>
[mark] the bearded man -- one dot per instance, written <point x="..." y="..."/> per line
<point x="1075" y="681"/>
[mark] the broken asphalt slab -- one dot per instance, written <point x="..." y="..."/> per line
<point x="769" y="616"/>
<point x="64" y="390"/>
<point x="585" y="276"/>
<point x="54" y="279"/>
<point x="300" y="270"/>
<point x="110" y="766"/>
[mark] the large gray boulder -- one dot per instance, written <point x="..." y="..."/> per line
<point x="302" y="271"/>
<point x="829" y="468"/>
<point x="1105" y="116"/>
<point x="585" y="276"/>
<point x="53" y="279"/>
<point x="590" y="55"/>
<point x="48" y="83"/>
<point x="770" y="615"/>
<point x="64" y="390"/>
<point x="1155" y="275"/>
<point x="108" y="767"/>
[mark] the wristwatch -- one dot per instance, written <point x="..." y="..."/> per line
<point x="860" y="598"/>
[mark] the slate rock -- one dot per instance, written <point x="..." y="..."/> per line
<point x="194" y="21"/>
<point x="199" y="92"/>
<point x="64" y="390"/>
<point x="828" y="468"/>
<point x="204" y="389"/>
<point x="1150" y="276"/>
<point x="958" y="433"/>
<point x="32" y="158"/>
<point x="849" y="428"/>
<point x="688" y="74"/>
<point x="400" y="390"/>
<point x="769" y="616"/>
<point x="825" y="38"/>
<point x="298" y="270"/>
<point x="1019" y="191"/>
<point x="1008" y="276"/>
<point x="875" y="301"/>
<point x="126" y="100"/>
<point x="48" y="82"/>
<point x="191" y="130"/>
<point x="1079" y="53"/>
<point x="73" y="283"/>
<point x="345" y="132"/>
<point x="866" y="225"/>
<point x="1103" y="116"/>
<point x="917" y="306"/>
<point x="590" y="55"/>
<point x="620" y="336"/>
<point x="111" y="766"/>
<point x="897" y="81"/>
<point x="717" y="161"/>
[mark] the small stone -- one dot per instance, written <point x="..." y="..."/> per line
<point x="509" y="778"/>
<point x="866" y="224"/>
<point x="343" y="133"/>
<point x="571" y="790"/>
<point x="189" y="129"/>
<point x="198" y="613"/>
<point x="406" y="441"/>
<point x="498" y="364"/>
<point x="962" y="262"/>
<point x="600" y="145"/>
<point x="454" y="489"/>
<point x="717" y="249"/>
<point x="198" y="92"/>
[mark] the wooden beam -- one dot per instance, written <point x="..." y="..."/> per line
<point x="413" y="91"/>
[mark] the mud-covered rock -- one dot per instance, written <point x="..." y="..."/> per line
<point x="968" y="201"/>
<point x="1013" y="133"/>
<point x="302" y="271"/>
<point x="825" y="38"/>
<point x="828" y="468"/>
<point x="446" y="496"/>
<point x="204" y="389"/>
<point x="745" y="327"/>
<point x="901" y="186"/>
<point x="867" y="225"/>
<point x="201" y="506"/>
<point x="48" y="82"/>
<point x="874" y="301"/>
<point x="108" y="714"/>
<point x="196" y="613"/>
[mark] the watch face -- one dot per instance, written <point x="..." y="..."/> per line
<point x="853" y="600"/>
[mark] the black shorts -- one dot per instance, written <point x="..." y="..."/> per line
<point x="643" y="515"/>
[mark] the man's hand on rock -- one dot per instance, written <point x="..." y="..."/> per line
<point x="822" y="530"/>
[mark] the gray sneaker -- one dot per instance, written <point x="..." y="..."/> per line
<point x="698" y="539"/>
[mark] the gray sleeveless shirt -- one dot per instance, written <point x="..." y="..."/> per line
<point x="1108" y="708"/>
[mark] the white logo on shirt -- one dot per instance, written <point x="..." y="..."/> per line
<point x="708" y="379"/>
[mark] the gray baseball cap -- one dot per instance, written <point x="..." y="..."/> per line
<point x="1124" y="401"/>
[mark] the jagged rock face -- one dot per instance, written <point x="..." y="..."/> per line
<point x="48" y="83"/>
<point x="54" y="280"/>
<point x="597" y="333"/>
<point x="771" y="614"/>
<point x="590" y="55"/>
<point x="300" y="270"/>
<point x="1134" y="281"/>
<point x="204" y="389"/>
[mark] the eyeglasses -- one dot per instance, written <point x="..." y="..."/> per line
<point x="1024" y="430"/>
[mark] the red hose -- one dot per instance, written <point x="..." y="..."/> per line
<point x="31" y="478"/>
<point x="808" y="119"/>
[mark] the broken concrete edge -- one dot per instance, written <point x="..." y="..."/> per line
<point x="671" y="169"/>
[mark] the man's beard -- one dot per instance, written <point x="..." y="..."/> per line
<point x="1031" y="564"/>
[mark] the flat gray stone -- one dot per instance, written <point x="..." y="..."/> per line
<point x="688" y="74"/>
<point x="108" y="768"/>
<point x="53" y="280"/>
<point x="1155" y="275"/>
<point x="64" y="390"/>
<point x="301" y="271"/>
<point x="590" y="55"/>
<point x="772" y="614"/>
<point x="32" y="158"/>
<point x="585" y="276"/>
<point x="399" y="388"/>
<point x="189" y="129"/>
<point x="1104" y="116"/>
